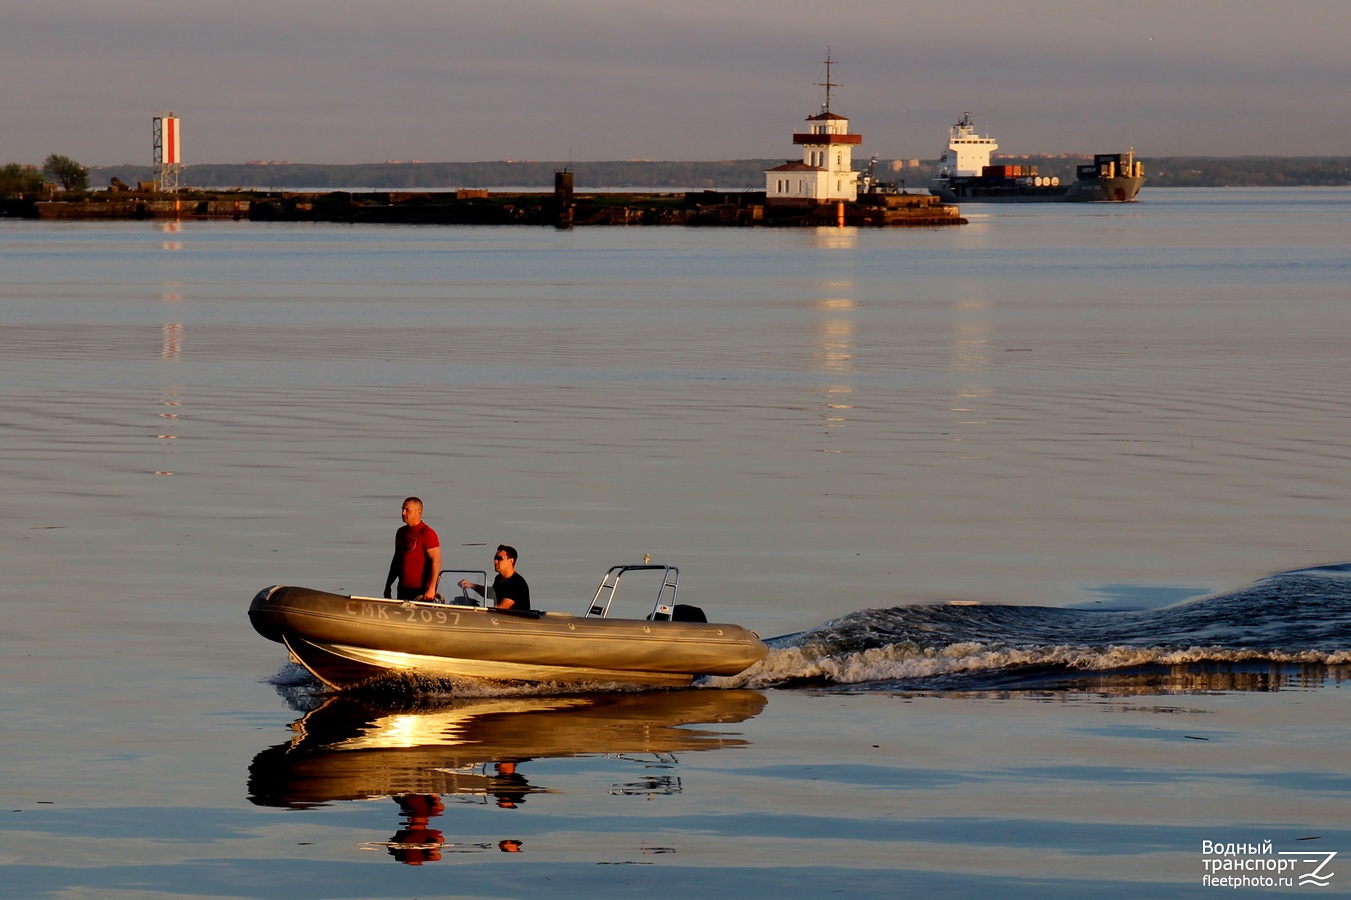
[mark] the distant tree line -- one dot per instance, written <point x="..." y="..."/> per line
<point x="18" y="180"/>
<point x="747" y="174"/>
<point x="656" y="175"/>
<point x="1248" y="171"/>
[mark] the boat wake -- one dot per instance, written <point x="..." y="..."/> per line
<point x="1290" y="629"/>
<point x="1287" y="631"/>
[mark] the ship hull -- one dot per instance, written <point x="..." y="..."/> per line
<point x="1120" y="189"/>
<point x="974" y="190"/>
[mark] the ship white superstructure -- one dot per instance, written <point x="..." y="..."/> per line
<point x="967" y="153"/>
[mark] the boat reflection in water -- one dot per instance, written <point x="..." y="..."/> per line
<point x="352" y="748"/>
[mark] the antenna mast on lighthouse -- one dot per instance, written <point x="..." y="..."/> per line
<point x="827" y="84"/>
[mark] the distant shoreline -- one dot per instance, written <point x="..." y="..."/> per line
<point x="721" y="175"/>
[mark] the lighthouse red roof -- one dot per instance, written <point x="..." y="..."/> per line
<point x="795" y="167"/>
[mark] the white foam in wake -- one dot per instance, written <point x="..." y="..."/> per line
<point x="904" y="662"/>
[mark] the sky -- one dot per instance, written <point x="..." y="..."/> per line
<point x="351" y="81"/>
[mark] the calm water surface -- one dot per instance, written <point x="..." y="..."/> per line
<point x="1052" y="406"/>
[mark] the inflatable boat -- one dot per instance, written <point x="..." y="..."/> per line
<point x="348" y="640"/>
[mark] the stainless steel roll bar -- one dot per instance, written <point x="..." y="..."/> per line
<point x="609" y="585"/>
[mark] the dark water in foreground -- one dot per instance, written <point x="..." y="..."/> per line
<point x="1012" y="494"/>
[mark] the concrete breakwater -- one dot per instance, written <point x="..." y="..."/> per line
<point x="483" y="207"/>
<point x="118" y="207"/>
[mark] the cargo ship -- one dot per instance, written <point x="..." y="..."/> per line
<point x="965" y="175"/>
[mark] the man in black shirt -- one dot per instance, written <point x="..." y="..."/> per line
<point x="509" y="588"/>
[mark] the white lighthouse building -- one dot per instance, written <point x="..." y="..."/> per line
<point x="826" y="173"/>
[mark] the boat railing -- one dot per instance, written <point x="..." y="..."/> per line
<point x="609" y="586"/>
<point x="464" y="599"/>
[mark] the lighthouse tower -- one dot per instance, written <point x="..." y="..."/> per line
<point x="826" y="173"/>
<point x="168" y="164"/>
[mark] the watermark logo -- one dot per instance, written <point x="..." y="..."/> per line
<point x="1320" y="860"/>
<point x="1234" y="864"/>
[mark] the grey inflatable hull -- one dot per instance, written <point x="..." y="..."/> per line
<point x="349" y="641"/>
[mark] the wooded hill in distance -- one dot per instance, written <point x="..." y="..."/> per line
<point x="727" y="175"/>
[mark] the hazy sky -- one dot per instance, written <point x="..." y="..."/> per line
<point x="438" y="80"/>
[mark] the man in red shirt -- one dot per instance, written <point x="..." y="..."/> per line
<point x="417" y="556"/>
